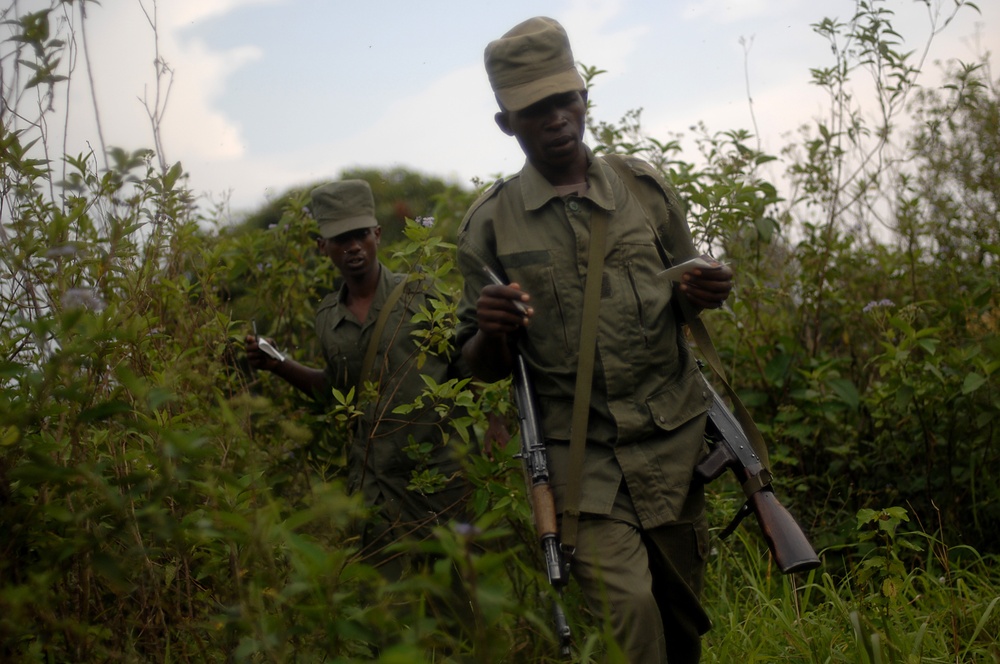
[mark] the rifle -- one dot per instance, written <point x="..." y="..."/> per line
<point x="732" y="449"/>
<point x="536" y="471"/>
<point x="543" y="506"/>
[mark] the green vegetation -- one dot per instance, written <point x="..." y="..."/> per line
<point x="160" y="502"/>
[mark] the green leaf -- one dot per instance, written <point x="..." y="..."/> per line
<point x="973" y="382"/>
<point x="866" y="515"/>
<point x="103" y="411"/>
<point x="766" y="228"/>
<point x="846" y="391"/>
<point x="929" y="345"/>
<point x="904" y="396"/>
<point x="897" y="513"/>
<point x="9" y="435"/>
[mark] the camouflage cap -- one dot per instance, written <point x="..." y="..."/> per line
<point x="531" y="62"/>
<point x="340" y="207"/>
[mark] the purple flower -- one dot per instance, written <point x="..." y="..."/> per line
<point x="466" y="529"/>
<point x="876" y="305"/>
<point x="426" y="222"/>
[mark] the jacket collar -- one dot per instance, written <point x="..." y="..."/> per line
<point x="386" y="281"/>
<point x="537" y="191"/>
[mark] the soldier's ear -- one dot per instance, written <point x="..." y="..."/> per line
<point x="503" y="121"/>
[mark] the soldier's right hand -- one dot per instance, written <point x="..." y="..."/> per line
<point x="257" y="358"/>
<point x="503" y="309"/>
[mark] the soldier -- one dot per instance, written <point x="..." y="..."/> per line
<point x="376" y="306"/>
<point x="632" y="510"/>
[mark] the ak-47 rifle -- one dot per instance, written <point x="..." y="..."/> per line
<point x="543" y="506"/>
<point x="536" y="471"/>
<point x="732" y="449"/>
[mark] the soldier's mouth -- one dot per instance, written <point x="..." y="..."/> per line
<point x="562" y="144"/>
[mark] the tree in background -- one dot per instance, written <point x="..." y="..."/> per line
<point x="400" y="194"/>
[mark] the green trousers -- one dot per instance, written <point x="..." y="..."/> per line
<point x="646" y="583"/>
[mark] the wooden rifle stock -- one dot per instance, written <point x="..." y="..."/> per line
<point x="792" y="551"/>
<point x="732" y="449"/>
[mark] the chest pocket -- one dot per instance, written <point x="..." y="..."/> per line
<point x="339" y="367"/>
<point x="339" y="345"/>
<point x="549" y="279"/>
<point x="642" y="296"/>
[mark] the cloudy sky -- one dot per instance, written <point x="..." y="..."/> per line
<point x="267" y="94"/>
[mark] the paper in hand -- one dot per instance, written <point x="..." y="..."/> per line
<point x="270" y="350"/>
<point x="677" y="271"/>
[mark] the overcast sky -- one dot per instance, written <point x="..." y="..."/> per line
<point x="268" y="94"/>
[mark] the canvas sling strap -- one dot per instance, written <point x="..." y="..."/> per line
<point x="700" y="332"/>
<point x="380" y="322"/>
<point x="584" y="379"/>
<point x="369" y="359"/>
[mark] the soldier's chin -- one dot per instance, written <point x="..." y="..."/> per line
<point x="563" y="149"/>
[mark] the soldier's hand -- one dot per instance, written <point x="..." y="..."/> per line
<point x="502" y="309"/>
<point x="708" y="287"/>
<point x="497" y="435"/>
<point x="257" y="358"/>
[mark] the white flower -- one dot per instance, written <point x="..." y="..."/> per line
<point x="83" y="298"/>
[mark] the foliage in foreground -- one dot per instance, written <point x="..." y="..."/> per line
<point x="162" y="503"/>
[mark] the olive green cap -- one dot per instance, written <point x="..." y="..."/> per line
<point x="341" y="207"/>
<point x="531" y="62"/>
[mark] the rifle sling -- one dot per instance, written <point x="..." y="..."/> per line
<point x="369" y="360"/>
<point x="584" y="378"/>
<point x="383" y="318"/>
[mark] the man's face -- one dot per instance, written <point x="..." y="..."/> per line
<point x="353" y="253"/>
<point x="549" y="131"/>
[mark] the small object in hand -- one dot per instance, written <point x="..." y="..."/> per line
<point x="265" y="346"/>
<point x="270" y="350"/>
<point x="676" y="272"/>
<point x="495" y="278"/>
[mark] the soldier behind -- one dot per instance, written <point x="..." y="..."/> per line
<point x="378" y="464"/>
<point x="642" y="536"/>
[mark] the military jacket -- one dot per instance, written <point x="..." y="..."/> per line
<point x="646" y="384"/>
<point x="378" y="464"/>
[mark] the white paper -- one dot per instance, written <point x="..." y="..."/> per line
<point x="677" y="271"/>
<point x="270" y="350"/>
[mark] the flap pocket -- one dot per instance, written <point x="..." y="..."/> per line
<point x="679" y="403"/>
<point x="525" y="259"/>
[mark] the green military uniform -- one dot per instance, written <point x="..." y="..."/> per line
<point x="378" y="466"/>
<point x="648" y="404"/>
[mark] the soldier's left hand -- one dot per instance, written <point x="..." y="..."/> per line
<point x="708" y="288"/>
<point x="497" y="435"/>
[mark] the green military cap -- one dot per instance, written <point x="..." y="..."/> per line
<point x="531" y="62"/>
<point x="341" y="207"/>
